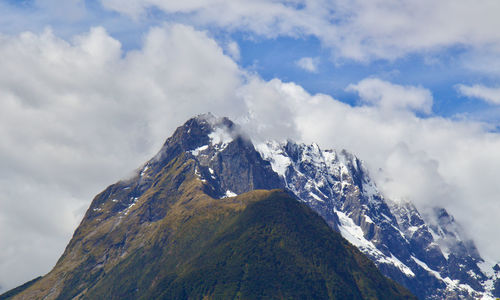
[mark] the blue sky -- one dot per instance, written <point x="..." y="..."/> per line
<point x="89" y="90"/>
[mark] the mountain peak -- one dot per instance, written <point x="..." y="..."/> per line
<point x="212" y="119"/>
<point x="204" y="129"/>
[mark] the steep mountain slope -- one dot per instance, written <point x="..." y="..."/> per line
<point x="178" y="230"/>
<point x="273" y="247"/>
<point x="430" y="257"/>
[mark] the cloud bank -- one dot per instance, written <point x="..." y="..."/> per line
<point x="359" y="30"/>
<point x="79" y="114"/>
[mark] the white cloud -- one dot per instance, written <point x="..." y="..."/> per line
<point x="411" y="175"/>
<point x="391" y="97"/>
<point x="233" y="50"/>
<point x="488" y="94"/>
<point x="484" y="60"/>
<point x="309" y="64"/>
<point x="360" y="30"/>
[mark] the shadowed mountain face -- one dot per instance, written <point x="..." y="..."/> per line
<point x="207" y="218"/>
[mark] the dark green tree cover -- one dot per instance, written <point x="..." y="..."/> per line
<point x="275" y="248"/>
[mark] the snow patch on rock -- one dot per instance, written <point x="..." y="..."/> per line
<point x="197" y="151"/>
<point x="273" y="152"/>
<point x="229" y="194"/>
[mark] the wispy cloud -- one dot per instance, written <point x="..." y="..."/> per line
<point x="392" y="97"/>
<point x="488" y="94"/>
<point x="309" y="64"/>
<point x="359" y="30"/>
<point x="233" y="50"/>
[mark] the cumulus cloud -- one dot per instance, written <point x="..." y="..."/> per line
<point x="391" y="97"/>
<point x="360" y="30"/>
<point x="488" y="94"/>
<point x="309" y="64"/>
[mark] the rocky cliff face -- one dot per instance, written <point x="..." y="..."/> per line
<point x="221" y="152"/>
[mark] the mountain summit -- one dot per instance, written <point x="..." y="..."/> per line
<point x="209" y="218"/>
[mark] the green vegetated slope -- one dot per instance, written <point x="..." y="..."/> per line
<point x="274" y="248"/>
<point x="19" y="289"/>
<point x="176" y="242"/>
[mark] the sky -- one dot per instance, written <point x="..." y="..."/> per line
<point x="89" y="90"/>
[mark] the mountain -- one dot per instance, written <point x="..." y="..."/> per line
<point x="208" y="218"/>
<point x="430" y="256"/>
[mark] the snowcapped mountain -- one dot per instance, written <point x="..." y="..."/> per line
<point x="430" y="255"/>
